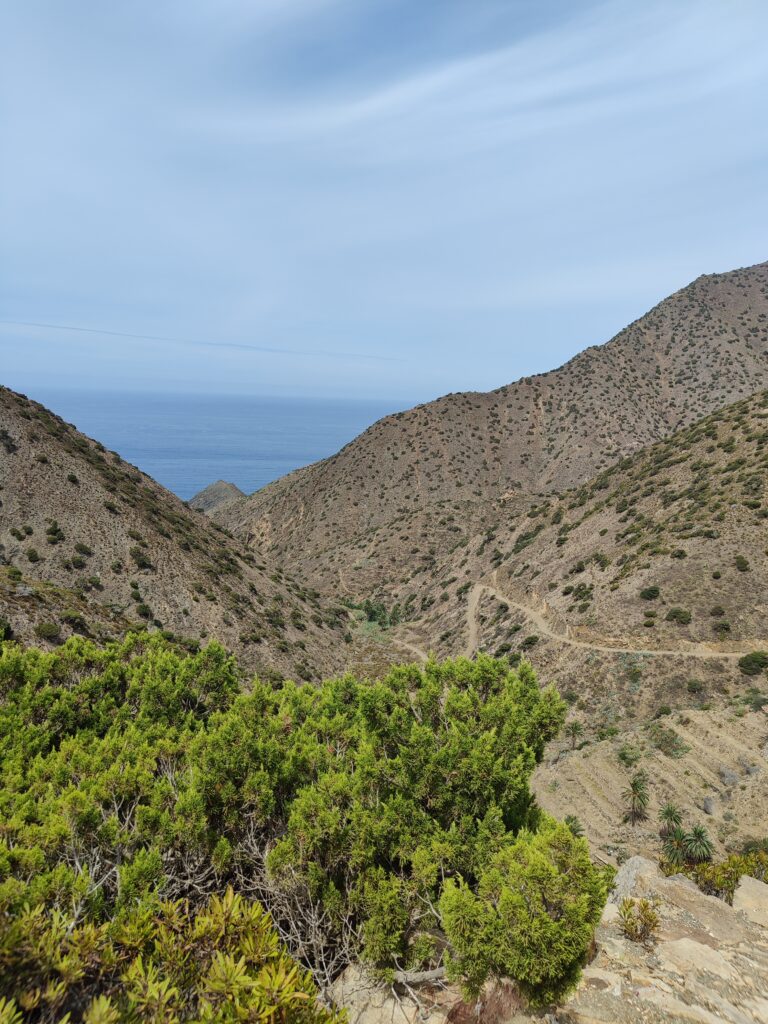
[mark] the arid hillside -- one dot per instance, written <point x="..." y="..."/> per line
<point x="90" y="544"/>
<point x="700" y="349"/>
<point x="665" y="550"/>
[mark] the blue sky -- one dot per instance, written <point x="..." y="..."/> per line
<point x="392" y="198"/>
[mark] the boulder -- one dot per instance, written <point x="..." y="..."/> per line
<point x="751" y="899"/>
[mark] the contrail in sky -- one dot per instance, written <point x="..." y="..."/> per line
<point x="206" y="344"/>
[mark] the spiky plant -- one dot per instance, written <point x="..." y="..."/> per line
<point x="670" y="818"/>
<point x="674" y="847"/>
<point x="574" y="825"/>
<point x="636" y="796"/>
<point x="573" y="730"/>
<point x="698" y="846"/>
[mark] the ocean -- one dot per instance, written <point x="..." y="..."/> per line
<point x="187" y="441"/>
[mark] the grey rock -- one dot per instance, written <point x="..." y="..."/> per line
<point x="728" y="777"/>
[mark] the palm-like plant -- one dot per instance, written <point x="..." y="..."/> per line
<point x="698" y="845"/>
<point x="637" y="796"/>
<point x="674" y="847"/>
<point x="573" y="730"/>
<point x="574" y="825"/>
<point x="670" y="818"/>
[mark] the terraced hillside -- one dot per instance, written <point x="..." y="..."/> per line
<point x="90" y="544"/>
<point x="700" y="349"/>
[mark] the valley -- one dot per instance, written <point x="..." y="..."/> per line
<point x="398" y="608"/>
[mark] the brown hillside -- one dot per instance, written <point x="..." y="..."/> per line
<point x="702" y="348"/>
<point x="90" y="544"/>
<point x="667" y="550"/>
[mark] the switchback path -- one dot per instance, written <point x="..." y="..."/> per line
<point x="477" y="591"/>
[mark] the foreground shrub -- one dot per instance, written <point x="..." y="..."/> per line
<point x="349" y="810"/>
<point x="159" y="962"/>
<point x="639" y="920"/>
<point x="531" y="916"/>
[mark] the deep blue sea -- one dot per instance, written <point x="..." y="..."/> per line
<point x="187" y="441"/>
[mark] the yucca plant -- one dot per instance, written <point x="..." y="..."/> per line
<point x="574" y="730"/>
<point x="670" y="818"/>
<point x="674" y="848"/>
<point x="697" y="845"/>
<point x="637" y="797"/>
<point x="574" y="825"/>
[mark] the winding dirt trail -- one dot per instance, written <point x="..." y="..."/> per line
<point x="477" y="591"/>
<point x="407" y="645"/>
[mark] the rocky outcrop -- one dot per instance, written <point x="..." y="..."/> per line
<point x="707" y="965"/>
<point x="751" y="899"/>
<point x="215" y="496"/>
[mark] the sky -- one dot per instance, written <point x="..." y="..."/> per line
<point x="363" y="198"/>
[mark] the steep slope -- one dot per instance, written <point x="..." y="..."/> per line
<point x="705" y="346"/>
<point x="91" y="544"/>
<point x="665" y="550"/>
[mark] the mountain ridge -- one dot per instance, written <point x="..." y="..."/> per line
<point x="88" y="542"/>
<point x="694" y="352"/>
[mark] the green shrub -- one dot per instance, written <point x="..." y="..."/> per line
<point x="48" y="631"/>
<point x="741" y="563"/>
<point x="649" y="593"/>
<point x="33" y="555"/>
<point x="161" y="961"/>
<point x="639" y="920"/>
<point x="679" y="615"/>
<point x="54" y="533"/>
<point x="74" y="620"/>
<point x="351" y="800"/>
<point x="721" y="879"/>
<point x="531" y="916"/>
<point x="140" y="557"/>
<point x="754" y="663"/>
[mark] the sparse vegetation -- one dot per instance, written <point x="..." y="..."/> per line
<point x="639" y="919"/>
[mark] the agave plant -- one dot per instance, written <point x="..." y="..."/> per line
<point x="636" y="796"/>
<point x="674" y="847"/>
<point x="698" y="846"/>
<point x="670" y="818"/>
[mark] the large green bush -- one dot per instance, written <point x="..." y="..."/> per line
<point x="354" y="811"/>
<point x="531" y="917"/>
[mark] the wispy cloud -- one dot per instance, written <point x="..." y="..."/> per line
<point x="449" y="194"/>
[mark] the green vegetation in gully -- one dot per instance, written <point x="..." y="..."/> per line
<point x="152" y="805"/>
